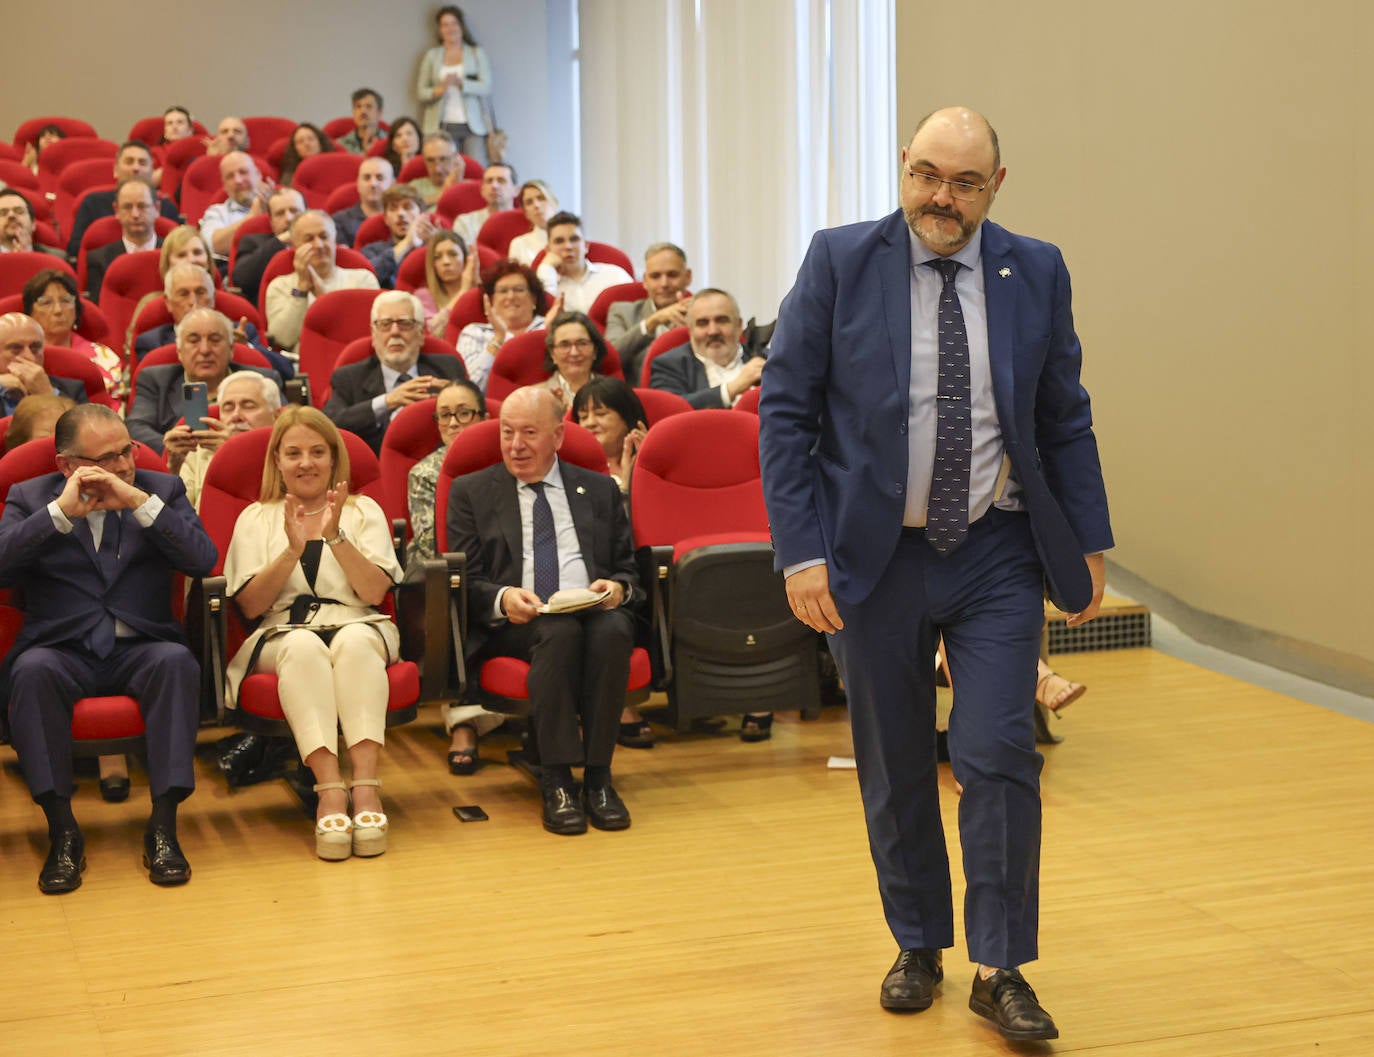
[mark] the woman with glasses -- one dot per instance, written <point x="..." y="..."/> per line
<point x="512" y="295"/>
<point x="450" y="272"/>
<point x="458" y="405"/>
<point x="573" y="352"/>
<point x="50" y="298"/>
<point x="313" y="563"/>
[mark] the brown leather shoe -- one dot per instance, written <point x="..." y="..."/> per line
<point x="909" y="986"/>
<point x="1008" y="1001"/>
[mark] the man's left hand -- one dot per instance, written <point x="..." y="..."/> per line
<point x="1097" y="568"/>
<point x="107" y="491"/>
<point x="612" y="601"/>
<point x="31" y="376"/>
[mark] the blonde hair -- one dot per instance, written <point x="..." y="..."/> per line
<point x="176" y="241"/>
<point x="273" y="487"/>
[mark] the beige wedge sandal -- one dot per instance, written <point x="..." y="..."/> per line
<point x="369" y="827"/>
<point x="333" y="833"/>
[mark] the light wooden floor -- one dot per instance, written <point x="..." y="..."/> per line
<point x="1208" y="879"/>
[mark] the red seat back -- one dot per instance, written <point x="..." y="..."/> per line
<point x="412" y="170"/>
<point x="261" y="224"/>
<point x="601" y="252"/>
<point x="342" y="197"/>
<point x="58" y="155"/>
<point x="265" y="131"/>
<point x="697" y="475"/>
<point x="128" y="279"/>
<point x="61" y="362"/>
<point x="149" y="130"/>
<point x="669" y="339"/>
<point x="104" y="230"/>
<point x="176" y="159"/>
<point x="659" y="404"/>
<point x="18" y="268"/>
<point x="463" y="196"/>
<point x="501" y="227"/>
<point x="601" y="307"/>
<point x="479" y="446"/>
<point x="74" y="183"/>
<point x="519" y="362"/>
<point x="411" y="435"/>
<point x="373" y="229"/>
<point x="28" y="131"/>
<point x="201" y="187"/>
<point x="467" y="309"/>
<point x="331" y="323"/>
<point x="320" y="174"/>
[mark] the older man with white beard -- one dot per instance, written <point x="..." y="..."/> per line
<point x="366" y="394"/>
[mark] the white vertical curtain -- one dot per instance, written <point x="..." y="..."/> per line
<point x="735" y="129"/>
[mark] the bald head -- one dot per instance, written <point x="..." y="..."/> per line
<point x="240" y="175"/>
<point x="951" y="172"/>
<point x="531" y="432"/>
<point x="967" y="122"/>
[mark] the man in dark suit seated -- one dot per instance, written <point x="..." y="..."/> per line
<point x="134" y="159"/>
<point x="710" y="371"/>
<point x="375" y="175"/>
<point x="205" y="346"/>
<point x="409" y="229"/>
<point x="17" y="220"/>
<point x="632" y="326"/>
<point x="189" y="286"/>
<point x="21" y="365"/>
<point x="137" y="211"/>
<point x="529" y="527"/>
<point x="366" y="394"/>
<point x="94" y="546"/>
<point x="256" y="251"/>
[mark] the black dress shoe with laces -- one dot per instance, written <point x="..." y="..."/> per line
<point x="605" y="809"/>
<point x="62" y="868"/>
<point x="909" y="985"/>
<point x="563" y="812"/>
<point x="1008" y="1001"/>
<point x="162" y="858"/>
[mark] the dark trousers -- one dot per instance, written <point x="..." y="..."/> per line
<point x="46" y="682"/>
<point x="986" y="599"/>
<point x="579" y="666"/>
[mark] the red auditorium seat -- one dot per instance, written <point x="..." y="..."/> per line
<point x="500" y="228"/>
<point x="601" y="252"/>
<point x="601" y="307"/>
<point x="319" y="174"/>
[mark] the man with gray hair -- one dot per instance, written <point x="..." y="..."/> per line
<point x="313" y="273"/>
<point x="21" y="364"/>
<point x="712" y="369"/>
<point x="365" y="394"/>
<point x="632" y="326"/>
<point x="205" y="342"/>
<point x="442" y="167"/>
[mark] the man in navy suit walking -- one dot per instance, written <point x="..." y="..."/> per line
<point x="930" y="468"/>
<point x="94" y="546"/>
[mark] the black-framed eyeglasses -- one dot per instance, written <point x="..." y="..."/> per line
<point x="958" y="189"/>
<point x="406" y="325"/>
<point x="461" y="415"/>
<point x="112" y="459"/>
<point x="582" y="344"/>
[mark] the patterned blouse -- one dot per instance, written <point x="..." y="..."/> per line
<point x="421" y="491"/>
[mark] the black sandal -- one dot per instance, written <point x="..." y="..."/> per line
<point x="636" y="735"/>
<point x="465" y="761"/>
<point x="756" y="728"/>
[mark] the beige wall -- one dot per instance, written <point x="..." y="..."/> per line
<point x="1202" y="165"/>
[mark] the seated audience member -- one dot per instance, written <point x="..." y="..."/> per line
<point x="573" y="351"/>
<point x="539" y="203"/>
<point x="247" y="196"/>
<point x="709" y="371"/>
<point x="458" y="405"/>
<point x="177" y="124"/>
<point x="21" y="365"/>
<point x="409" y="229"/>
<point x="189" y="286"/>
<point x="305" y="142"/>
<point x="102" y="628"/>
<point x="231" y="135"/>
<point x="402" y="143"/>
<point x="367" y="122"/>
<point x="313" y="273"/>
<point x="205" y="344"/>
<point x="134" y="160"/>
<point x="575" y="535"/>
<point x="364" y="394"/>
<point x="498" y="191"/>
<point x="632" y="326"/>
<point x="36" y="417"/>
<point x="374" y="177"/>
<point x="136" y="208"/>
<point x="185" y="245"/>
<point x="50" y="297"/>
<point x="309" y="553"/>
<point x="566" y="270"/>
<point x="247" y="400"/>
<point x="442" y="167"/>
<point x="17" y="222"/>
<point x="511" y="296"/>
<point x="256" y="251"/>
<point x="450" y="272"/>
<point x="48" y="134"/>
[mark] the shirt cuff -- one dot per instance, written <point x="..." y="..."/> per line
<point x="496" y="610"/>
<point x="60" y="521"/>
<point x="379" y="409"/>
<point x="725" y="398"/>
<point x="788" y="570"/>
<point x="148" y="512"/>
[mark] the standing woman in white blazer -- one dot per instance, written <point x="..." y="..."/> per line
<point x="454" y="83"/>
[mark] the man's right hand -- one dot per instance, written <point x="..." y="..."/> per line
<point x="747" y="378"/>
<point x="413" y="390"/>
<point x="28" y="376"/>
<point x="301" y="263"/>
<point x="519" y="605"/>
<point x="808" y="593"/>
<point x="674" y="315"/>
<point x="177" y="443"/>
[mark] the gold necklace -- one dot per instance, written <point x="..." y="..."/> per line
<point x="312" y="513"/>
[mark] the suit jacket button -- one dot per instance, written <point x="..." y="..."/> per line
<point x="901" y="489"/>
<point x="902" y="429"/>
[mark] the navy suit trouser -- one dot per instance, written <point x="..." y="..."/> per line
<point x="47" y="681"/>
<point x="986" y="599"/>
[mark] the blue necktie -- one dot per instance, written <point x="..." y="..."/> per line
<point x="947" y="509"/>
<point x="101" y="640"/>
<point x="545" y="545"/>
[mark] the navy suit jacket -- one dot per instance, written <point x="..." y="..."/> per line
<point x="679" y="371"/>
<point x="484" y="524"/>
<point x="354" y="385"/>
<point x="66" y="592"/>
<point x="834" y="406"/>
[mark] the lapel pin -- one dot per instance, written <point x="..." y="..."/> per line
<point x="1005" y="273"/>
<point x="581" y="490"/>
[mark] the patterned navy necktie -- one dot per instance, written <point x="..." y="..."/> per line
<point x="545" y="545"/>
<point x="947" y="509"/>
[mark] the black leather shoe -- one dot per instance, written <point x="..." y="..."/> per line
<point x="605" y="809"/>
<point x="563" y="812"/>
<point x="909" y="985"/>
<point x="162" y="858"/>
<point x="62" y="868"/>
<point x="1008" y="1001"/>
<point x="114" y="790"/>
